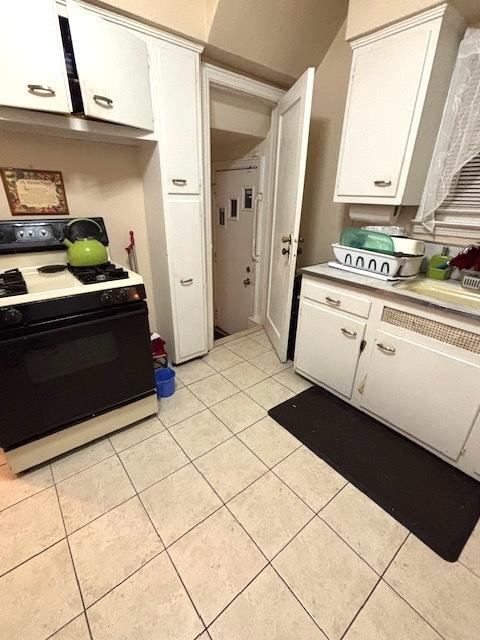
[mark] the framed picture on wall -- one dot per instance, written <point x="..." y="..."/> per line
<point x="34" y="192"/>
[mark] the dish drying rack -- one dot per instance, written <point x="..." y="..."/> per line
<point x="374" y="264"/>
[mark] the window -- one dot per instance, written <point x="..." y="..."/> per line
<point x="233" y="208"/>
<point x="459" y="213"/>
<point x="247" y="198"/>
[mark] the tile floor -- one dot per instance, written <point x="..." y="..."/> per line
<point x="211" y="521"/>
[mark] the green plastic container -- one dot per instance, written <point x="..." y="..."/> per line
<point x="433" y="270"/>
<point x="368" y="240"/>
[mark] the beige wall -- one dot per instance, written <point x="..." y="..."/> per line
<point x="100" y="180"/>
<point x="239" y="113"/>
<point x="322" y="219"/>
<point x="185" y="17"/>
<point x="368" y="15"/>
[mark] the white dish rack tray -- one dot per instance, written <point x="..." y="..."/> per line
<point x="371" y="262"/>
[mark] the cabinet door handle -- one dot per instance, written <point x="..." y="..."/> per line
<point x="383" y="183"/>
<point x="332" y="300"/>
<point x="350" y="334"/>
<point x="386" y="349"/>
<point x="41" y="90"/>
<point x="186" y="282"/>
<point x="103" y="101"/>
<point x="179" y="182"/>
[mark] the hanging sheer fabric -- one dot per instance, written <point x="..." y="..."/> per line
<point x="458" y="139"/>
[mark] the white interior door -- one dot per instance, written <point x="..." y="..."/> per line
<point x="234" y="265"/>
<point x="33" y="73"/>
<point x="293" y="113"/>
<point x="113" y="69"/>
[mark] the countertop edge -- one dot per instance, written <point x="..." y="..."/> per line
<point x="388" y="291"/>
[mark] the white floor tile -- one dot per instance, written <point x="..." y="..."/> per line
<point x="270" y="513"/>
<point x="221" y="359"/>
<point x="246" y="348"/>
<point x="330" y="580"/>
<point x="446" y="594"/>
<point x="269" y="393"/>
<point x="14" y="488"/>
<point x="179" y="502"/>
<point x="80" y="459"/>
<point x="77" y="629"/>
<point x="238" y="412"/>
<point x="470" y="556"/>
<point x="111" y="548"/>
<point x="266" y="610"/>
<point x="153" y="459"/>
<point x="292" y="381"/>
<point x="200" y="433"/>
<point x="150" y="604"/>
<point x="310" y="477"/>
<point x="213" y="389"/>
<point x="29" y="527"/>
<point x="193" y="371"/>
<point x="244" y="375"/>
<point x="269" y="441"/>
<point x="387" y="616"/>
<point x="269" y="363"/>
<point x="216" y="561"/>
<point x="90" y="493"/>
<point x="40" y="596"/>
<point x="365" y="526"/>
<point x="230" y="468"/>
<point x="134" y="434"/>
<point x="181" y="405"/>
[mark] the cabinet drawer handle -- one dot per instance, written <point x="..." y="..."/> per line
<point x="332" y="300"/>
<point x="350" y="334"/>
<point x="385" y="348"/>
<point x="41" y="90"/>
<point x="383" y="183"/>
<point x="186" y="282"/>
<point x="103" y="101"/>
<point x="179" y="182"/>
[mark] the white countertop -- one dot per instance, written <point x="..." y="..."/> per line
<point x="471" y="309"/>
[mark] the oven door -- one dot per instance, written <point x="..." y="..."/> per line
<point x="57" y="373"/>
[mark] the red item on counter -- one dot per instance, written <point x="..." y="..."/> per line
<point x="468" y="259"/>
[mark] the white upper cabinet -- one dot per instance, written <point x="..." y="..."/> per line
<point x="179" y="75"/>
<point x="398" y="85"/>
<point x="113" y="69"/>
<point x="33" y="73"/>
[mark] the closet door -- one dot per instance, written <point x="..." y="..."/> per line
<point x="113" y="69"/>
<point x="179" y="72"/>
<point x="186" y="259"/>
<point x="33" y="74"/>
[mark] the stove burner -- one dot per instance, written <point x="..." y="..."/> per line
<point x="101" y="273"/>
<point x="12" y="283"/>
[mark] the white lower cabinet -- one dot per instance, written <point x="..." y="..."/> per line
<point x="328" y="346"/>
<point x="426" y="392"/>
<point x="415" y="370"/>
<point x="185" y="248"/>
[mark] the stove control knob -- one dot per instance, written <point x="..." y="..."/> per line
<point x="122" y="295"/>
<point x="107" y="298"/>
<point x="12" y="316"/>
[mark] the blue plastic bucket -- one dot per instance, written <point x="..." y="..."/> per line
<point x="165" y="382"/>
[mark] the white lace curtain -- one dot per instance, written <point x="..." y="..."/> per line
<point x="459" y="135"/>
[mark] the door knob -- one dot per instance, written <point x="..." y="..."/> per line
<point x="285" y="251"/>
<point x="246" y="282"/>
<point x="286" y="239"/>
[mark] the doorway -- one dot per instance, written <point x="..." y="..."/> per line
<point x="281" y="149"/>
<point x="236" y="194"/>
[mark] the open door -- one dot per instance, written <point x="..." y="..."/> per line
<point x="293" y="117"/>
